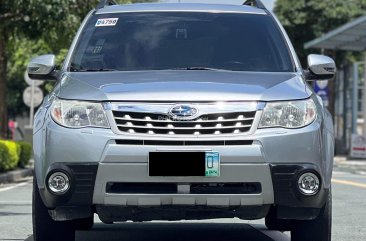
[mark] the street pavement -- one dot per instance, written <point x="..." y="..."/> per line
<point x="349" y="219"/>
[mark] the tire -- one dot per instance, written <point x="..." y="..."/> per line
<point x="84" y="224"/>
<point x="319" y="229"/>
<point x="44" y="227"/>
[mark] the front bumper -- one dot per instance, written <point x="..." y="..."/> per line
<point x="258" y="161"/>
<point x="87" y="195"/>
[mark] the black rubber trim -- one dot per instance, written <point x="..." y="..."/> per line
<point x="112" y="213"/>
<point x="185" y="143"/>
<point x="194" y="188"/>
<point x="82" y="181"/>
<point x="286" y="192"/>
<point x="65" y="213"/>
<point x="297" y="213"/>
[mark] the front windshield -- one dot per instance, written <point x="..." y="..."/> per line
<point x="181" y="40"/>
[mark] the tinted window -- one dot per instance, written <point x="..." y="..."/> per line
<point x="170" y="40"/>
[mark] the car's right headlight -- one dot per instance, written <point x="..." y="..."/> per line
<point x="79" y="114"/>
<point x="288" y="114"/>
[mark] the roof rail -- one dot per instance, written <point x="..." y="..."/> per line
<point x="104" y="3"/>
<point x="255" y="3"/>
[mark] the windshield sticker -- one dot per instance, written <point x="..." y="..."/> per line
<point x="181" y="33"/>
<point x="103" y="22"/>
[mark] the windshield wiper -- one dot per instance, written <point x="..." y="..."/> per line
<point x="95" y="70"/>
<point x="78" y="68"/>
<point x="92" y="70"/>
<point x="199" y="68"/>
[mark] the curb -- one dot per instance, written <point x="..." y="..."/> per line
<point x="354" y="165"/>
<point x="16" y="175"/>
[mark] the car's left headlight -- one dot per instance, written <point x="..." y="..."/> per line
<point x="288" y="114"/>
<point x="78" y="114"/>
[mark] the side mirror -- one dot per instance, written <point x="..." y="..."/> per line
<point x="42" y="67"/>
<point x="321" y="67"/>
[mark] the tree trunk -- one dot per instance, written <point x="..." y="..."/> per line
<point x="3" y="87"/>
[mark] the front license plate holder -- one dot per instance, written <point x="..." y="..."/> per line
<point x="184" y="164"/>
<point x="212" y="164"/>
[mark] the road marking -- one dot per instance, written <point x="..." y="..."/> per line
<point x="15" y="202"/>
<point x="340" y="173"/>
<point x="15" y="186"/>
<point x="350" y="183"/>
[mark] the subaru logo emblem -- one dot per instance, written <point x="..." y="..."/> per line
<point x="183" y="112"/>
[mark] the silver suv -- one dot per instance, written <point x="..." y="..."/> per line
<point x="182" y="111"/>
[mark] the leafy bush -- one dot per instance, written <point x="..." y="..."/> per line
<point x="4" y="157"/>
<point x="25" y="153"/>
<point x="13" y="155"/>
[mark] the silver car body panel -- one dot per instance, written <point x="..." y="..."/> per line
<point x="183" y="86"/>
<point x="177" y="7"/>
<point x="121" y="163"/>
<point x="128" y="172"/>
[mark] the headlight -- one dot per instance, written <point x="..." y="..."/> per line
<point x="289" y="114"/>
<point x="78" y="114"/>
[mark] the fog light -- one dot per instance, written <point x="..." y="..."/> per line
<point x="59" y="183"/>
<point x="308" y="184"/>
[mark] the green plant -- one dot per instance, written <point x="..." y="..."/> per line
<point x="4" y="157"/>
<point x="25" y="153"/>
<point x="14" y="153"/>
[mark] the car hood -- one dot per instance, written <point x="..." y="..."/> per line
<point x="185" y="85"/>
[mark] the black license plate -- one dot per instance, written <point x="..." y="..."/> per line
<point x="184" y="164"/>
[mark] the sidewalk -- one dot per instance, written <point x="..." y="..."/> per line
<point x="16" y="175"/>
<point x="344" y="163"/>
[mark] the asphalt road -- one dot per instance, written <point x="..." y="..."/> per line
<point x="349" y="219"/>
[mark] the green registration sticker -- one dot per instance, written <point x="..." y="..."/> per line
<point x="212" y="162"/>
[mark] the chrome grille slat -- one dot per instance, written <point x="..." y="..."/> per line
<point x="136" y="120"/>
<point x="185" y="128"/>
<point x="195" y="121"/>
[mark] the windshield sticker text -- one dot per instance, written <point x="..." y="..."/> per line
<point x="106" y="22"/>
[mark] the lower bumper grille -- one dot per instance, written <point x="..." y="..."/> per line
<point x="185" y="143"/>
<point x="194" y="188"/>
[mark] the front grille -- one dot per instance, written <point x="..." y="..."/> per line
<point x="162" y="124"/>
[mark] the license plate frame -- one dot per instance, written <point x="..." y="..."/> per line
<point x="184" y="164"/>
